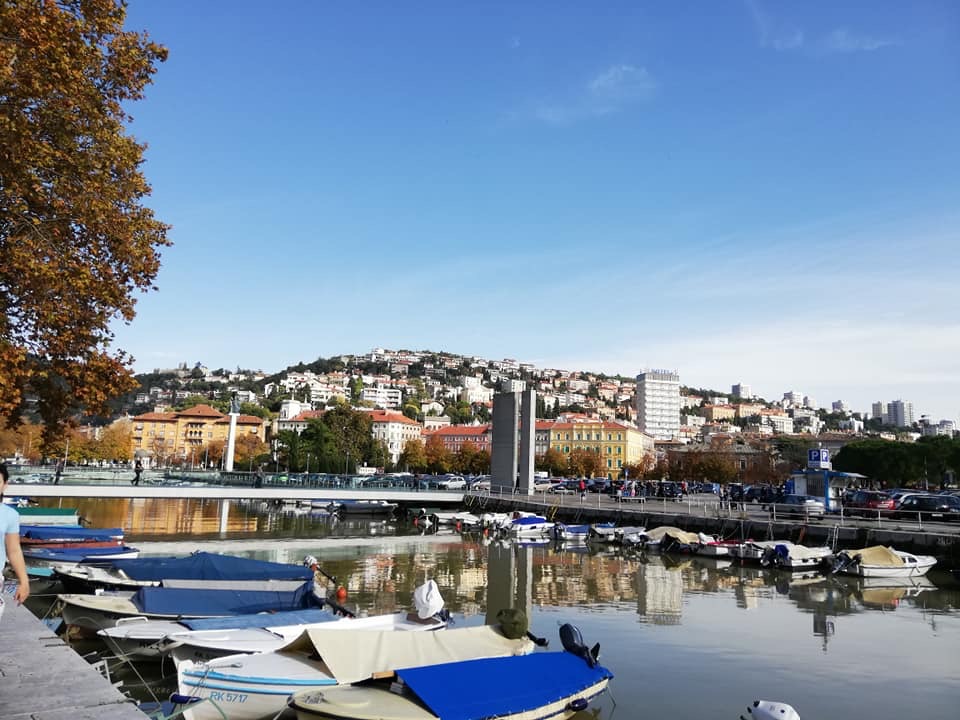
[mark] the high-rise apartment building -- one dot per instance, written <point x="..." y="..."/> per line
<point x="900" y="413"/>
<point x="741" y="390"/>
<point x="878" y="411"/>
<point x="658" y="404"/>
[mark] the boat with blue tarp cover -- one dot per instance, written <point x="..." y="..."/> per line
<point x="469" y="690"/>
<point x="96" y="612"/>
<point x="74" y="555"/>
<point x="153" y="571"/>
<point x="139" y="637"/>
<point x="53" y="534"/>
<point x="250" y="687"/>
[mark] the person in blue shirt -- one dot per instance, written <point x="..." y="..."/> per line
<point x="10" y="548"/>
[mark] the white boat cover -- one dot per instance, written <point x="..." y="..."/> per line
<point x="677" y="534"/>
<point x="802" y="552"/>
<point x="427" y="600"/>
<point x="352" y="656"/>
<point x="878" y="555"/>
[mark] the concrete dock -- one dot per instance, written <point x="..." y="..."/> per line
<point x="42" y="678"/>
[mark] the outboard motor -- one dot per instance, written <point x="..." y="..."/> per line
<point x="842" y="561"/>
<point x="427" y="600"/>
<point x="572" y="642"/>
<point x="767" y="710"/>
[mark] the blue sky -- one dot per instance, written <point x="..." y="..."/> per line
<point x="764" y="192"/>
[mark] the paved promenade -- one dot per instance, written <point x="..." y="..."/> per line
<point x="42" y="678"/>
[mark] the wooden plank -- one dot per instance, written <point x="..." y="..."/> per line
<point x="42" y="678"/>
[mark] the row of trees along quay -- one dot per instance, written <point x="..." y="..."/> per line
<point x="77" y="243"/>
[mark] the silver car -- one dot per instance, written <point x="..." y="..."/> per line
<point x="805" y="505"/>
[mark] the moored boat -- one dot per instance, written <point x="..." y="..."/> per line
<point x="565" y="685"/>
<point x="880" y="561"/>
<point x="249" y="687"/>
<point x="71" y="556"/>
<point x="792" y="557"/>
<point x="152" y="572"/>
<point x="530" y="526"/>
<point x="96" y="612"/>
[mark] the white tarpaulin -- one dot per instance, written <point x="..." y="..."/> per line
<point x="352" y="656"/>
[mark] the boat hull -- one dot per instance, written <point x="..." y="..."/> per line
<point x="365" y="703"/>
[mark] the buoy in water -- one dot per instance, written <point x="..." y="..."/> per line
<point x="341" y="594"/>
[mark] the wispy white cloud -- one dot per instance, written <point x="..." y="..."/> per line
<point x="608" y="91"/>
<point x="844" y="41"/>
<point x="774" y="33"/>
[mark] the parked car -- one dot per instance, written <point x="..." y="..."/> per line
<point x="805" y="505"/>
<point x="452" y="482"/>
<point x="543" y="484"/>
<point x="945" y="508"/>
<point x="868" y="502"/>
<point x="567" y="487"/>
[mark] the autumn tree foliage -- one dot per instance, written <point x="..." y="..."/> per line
<point x="76" y="241"/>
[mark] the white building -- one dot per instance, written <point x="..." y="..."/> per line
<point x="743" y="391"/>
<point x="900" y="413"/>
<point x="658" y="404"/>
<point x="382" y="396"/>
<point x="879" y="412"/>
<point x="394" y="430"/>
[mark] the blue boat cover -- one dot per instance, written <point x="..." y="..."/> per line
<point x="529" y="520"/>
<point x="73" y="554"/>
<point x="70" y="533"/>
<point x="494" y="687"/>
<point x="209" y="603"/>
<point x="210" y="566"/>
<point x="260" y="620"/>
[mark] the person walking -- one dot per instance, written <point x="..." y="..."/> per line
<point x="137" y="471"/>
<point x="58" y="472"/>
<point x="583" y="489"/>
<point x="10" y="548"/>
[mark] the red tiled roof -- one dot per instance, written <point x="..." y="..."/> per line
<point x="460" y="430"/>
<point x="383" y="416"/>
<point x="241" y="420"/>
<point x="307" y="415"/>
<point x="200" y="411"/>
<point x="157" y="417"/>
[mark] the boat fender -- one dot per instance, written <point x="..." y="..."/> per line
<point x="178" y="699"/>
<point x="767" y="710"/>
<point x="572" y="641"/>
<point x="578" y="705"/>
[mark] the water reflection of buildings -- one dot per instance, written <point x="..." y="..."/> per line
<point x="659" y="593"/>
<point x="154" y="517"/>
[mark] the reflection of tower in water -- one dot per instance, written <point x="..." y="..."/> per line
<point x="659" y="594"/>
<point x="509" y="579"/>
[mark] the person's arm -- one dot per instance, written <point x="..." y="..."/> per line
<point x="15" y="558"/>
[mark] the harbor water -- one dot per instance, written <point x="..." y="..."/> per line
<point x="686" y="637"/>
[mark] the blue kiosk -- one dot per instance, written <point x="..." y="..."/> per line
<point x="816" y="479"/>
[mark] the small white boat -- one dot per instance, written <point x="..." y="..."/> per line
<point x="602" y="533"/>
<point x="570" y="533"/>
<point x="753" y="550"/>
<point x="227" y="598"/>
<point x="565" y="685"/>
<point x="767" y="710"/>
<point x="250" y="687"/>
<point x="530" y="526"/>
<point x="788" y="556"/>
<point x="880" y="561"/>
<point x="629" y="535"/>
<point x="71" y="557"/>
<point x="201" y="645"/>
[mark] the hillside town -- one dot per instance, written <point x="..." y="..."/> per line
<point x="392" y="410"/>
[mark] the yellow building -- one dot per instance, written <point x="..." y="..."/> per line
<point x="715" y="413"/>
<point x="185" y="434"/>
<point x="618" y="444"/>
